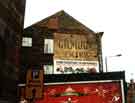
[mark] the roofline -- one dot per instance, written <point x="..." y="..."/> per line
<point x="59" y="14"/>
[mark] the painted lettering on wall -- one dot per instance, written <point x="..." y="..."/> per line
<point x="74" y="46"/>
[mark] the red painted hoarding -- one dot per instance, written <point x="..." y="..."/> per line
<point x="95" y="92"/>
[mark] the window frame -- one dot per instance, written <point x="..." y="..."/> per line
<point x="46" y="68"/>
<point x="27" y="41"/>
<point x="50" y="46"/>
<point x="35" y="74"/>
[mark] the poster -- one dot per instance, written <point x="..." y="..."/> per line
<point x="86" y="92"/>
<point x="74" y="66"/>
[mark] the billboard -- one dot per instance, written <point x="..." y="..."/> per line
<point x="75" y="47"/>
<point x="105" y="91"/>
<point x="74" y="66"/>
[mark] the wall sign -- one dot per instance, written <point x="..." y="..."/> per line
<point x="75" y="47"/>
<point x="84" y="92"/>
<point x="74" y="66"/>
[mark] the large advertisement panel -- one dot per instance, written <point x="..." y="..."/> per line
<point x="74" y="66"/>
<point x="75" y="47"/>
<point x="106" y="91"/>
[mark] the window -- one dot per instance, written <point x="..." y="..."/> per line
<point x="48" y="69"/>
<point x="27" y="41"/>
<point x="48" y="45"/>
<point x="35" y="74"/>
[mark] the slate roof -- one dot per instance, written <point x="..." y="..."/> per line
<point x="62" y="21"/>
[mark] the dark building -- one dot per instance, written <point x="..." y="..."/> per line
<point x="11" y="23"/>
<point x="131" y="92"/>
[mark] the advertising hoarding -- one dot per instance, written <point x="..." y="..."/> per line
<point x="74" y="66"/>
<point x="105" y="91"/>
<point x="75" y="47"/>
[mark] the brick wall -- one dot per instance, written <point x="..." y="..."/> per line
<point x="11" y="23"/>
<point x="131" y="92"/>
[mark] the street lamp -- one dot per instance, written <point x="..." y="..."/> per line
<point x="106" y="57"/>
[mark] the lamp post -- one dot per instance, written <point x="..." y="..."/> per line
<point x="106" y="60"/>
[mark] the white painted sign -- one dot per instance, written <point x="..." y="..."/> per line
<point x="73" y="66"/>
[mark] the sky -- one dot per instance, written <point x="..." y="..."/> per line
<point x="116" y="18"/>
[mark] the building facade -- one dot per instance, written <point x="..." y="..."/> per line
<point x="131" y="92"/>
<point x="60" y="44"/>
<point x="11" y="23"/>
<point x="60" y="49"/>
<point x="60" y="37"/>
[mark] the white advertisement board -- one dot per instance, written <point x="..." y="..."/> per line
<point x="74" y="66"/>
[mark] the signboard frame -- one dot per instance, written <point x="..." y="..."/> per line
<point x="83" y="80"/>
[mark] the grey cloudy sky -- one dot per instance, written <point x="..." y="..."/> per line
<point x="116" y="18"/>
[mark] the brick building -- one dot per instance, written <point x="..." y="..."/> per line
<point x="40" y="42"/>
<point x="61" y="49"/>
<point x="131" y="92"/>
<point x="60" y="39"/>
<point x="11" y="23"/>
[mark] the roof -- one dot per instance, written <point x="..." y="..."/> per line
<point x="62" y="21"/>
